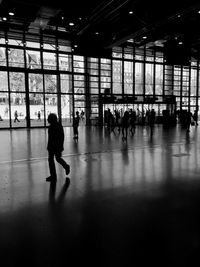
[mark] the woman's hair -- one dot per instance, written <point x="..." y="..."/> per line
<point x="52" y="118"/>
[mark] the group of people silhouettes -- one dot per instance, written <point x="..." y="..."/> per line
<point x="127" y="120"/>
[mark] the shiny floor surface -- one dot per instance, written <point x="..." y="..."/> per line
<point x="133" y="203"/>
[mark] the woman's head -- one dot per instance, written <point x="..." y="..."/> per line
<point x="52" y="118"/>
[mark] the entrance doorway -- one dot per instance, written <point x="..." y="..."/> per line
<point x="163" y="111"/>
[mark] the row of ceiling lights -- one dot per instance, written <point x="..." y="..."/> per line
<point x="145" y="37"/>
<point x="10" y="13"/>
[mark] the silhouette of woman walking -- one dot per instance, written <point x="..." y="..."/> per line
<point x="55" y="147"/>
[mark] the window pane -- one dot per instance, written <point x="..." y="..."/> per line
<point x="35" y="82"/>
<point x="168" y="89"/>
<point x="50" y="83"/>
<point x="65" y="48"/>
<point x="4" y="110"/>
<point x="49" y="60"/>
<point x="117" y="77"/>
<point x="79" y="84"/>
<point x="64" y="45"/>
<point x="66" y="109"/>
<point x="79" y="102"/>
<point x="49" y="46"/>
<point x="65" y="62"/>
<point x="66" y="83"/>
<point x="15" y="42"/>
<point x="4" y="81"/>
<point x="33" y="59"/>
<point x="3" y="56"/>
<point x="51" y="104"/>
<point x="36" y="102"/>
<point x="18" y="109"/>
<point x="17" y="81"/>
<point x="2" y="40"/>
<point x="159" y="80"/>
<point x="193" y="86"/>
<point x="138" y="78"/>
<point x="16" y="57"/>
<point x="78" y="64"/>
<point x="149" y="79"/>
<point x="32" y="44"/>
<point x="128" y="77"/>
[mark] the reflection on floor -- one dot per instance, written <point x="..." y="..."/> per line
<point x="134" y="203"/>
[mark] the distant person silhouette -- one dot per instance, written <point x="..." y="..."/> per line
<point x="16" y="116"/>
<point x="151" y="120"/>
<point x="188" y="120"/>
<point x="82" y="115"/>
<point x="132" y="120"/>
<point x="39" y="116"/>
<point x="125" y="125"/>
<point x="55" y="147"/>
<point x="76" y="120"/>
<point x="195" y="117"/>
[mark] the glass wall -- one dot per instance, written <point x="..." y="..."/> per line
<point x="40" y="78"/>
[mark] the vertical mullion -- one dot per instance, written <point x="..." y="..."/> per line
<point x="87" y="92"/>
<point x="189" y="89"/>
<point x="58" y="84"/>
<point x="111" y="76"/>
<point x="154" y="76"/>
<point x="144" y="70"/>
<point x="181" y="88"/>
<point x="197" y="88"/>
<point x="164" y="72"/>
<point x="73" y="113"/>
<point x="133" y="72"/>
<point x="43" y="80"/>
<point x="122" y="77"/>
<point x="8" y="78"/>
<point x="28" y="124"/>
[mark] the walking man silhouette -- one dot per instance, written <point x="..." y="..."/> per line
<point x="55" y="147"/>
<point x="16" y="116"/>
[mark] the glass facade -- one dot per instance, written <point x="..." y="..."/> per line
<point x="43" y="75"/>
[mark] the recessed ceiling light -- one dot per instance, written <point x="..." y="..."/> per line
<point x="62" y="17"/>
<point x="130" y="12"/>
<point x="4" y="18"/>
<point x="97" y="33"/>
<point x="180" y="43"/>
<point x="144" y="37"/>
<point x="71" y="24"/>
<point x="80" y="18"/>
<point x="199" y="11"/>
<point x="75" y="45"/>
<point x="11" y="13"/>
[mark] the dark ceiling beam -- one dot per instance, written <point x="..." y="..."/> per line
<point x="43" y="17"/>
<point x="119" y="40"/>
<point x="100" y="14"/>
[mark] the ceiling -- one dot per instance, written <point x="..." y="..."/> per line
<point x="171" y="26"/>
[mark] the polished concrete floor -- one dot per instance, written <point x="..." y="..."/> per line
<point x="134" y="203"/>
